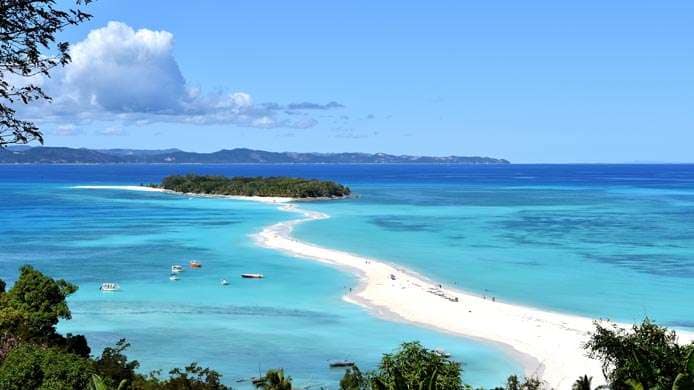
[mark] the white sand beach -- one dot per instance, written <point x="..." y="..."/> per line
<point x="262" y="199"/>
<point x="549" y="343"/>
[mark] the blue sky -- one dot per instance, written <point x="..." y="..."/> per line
<point x="531" y="81"/>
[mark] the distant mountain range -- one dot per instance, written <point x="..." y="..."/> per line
<point x="58" y="155"/>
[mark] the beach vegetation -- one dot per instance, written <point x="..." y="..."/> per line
<point x="191" y="377"/>
<point x="411" y="367"/>
<point x="274" y="379"/>
<point x="353" y="379"/>
<point x="30" y="366"/>
<point x="114" y="367"/>
<point x="254" y="186"/>
<point x="647" y="355"/>
<point x="31" y="309"/>
<point x="98" y="383"/>
<point x="513" y="382"/>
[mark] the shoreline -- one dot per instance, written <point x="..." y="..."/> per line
<point x="547" y="344"/>
<point x="261" y="199"/>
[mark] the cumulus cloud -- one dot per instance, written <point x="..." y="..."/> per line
<point x="126" y="75"/>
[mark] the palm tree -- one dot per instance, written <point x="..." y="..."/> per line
<point x="98" y="383"/>
<point x="582" y="383"/>
<point x="275" y="380"/>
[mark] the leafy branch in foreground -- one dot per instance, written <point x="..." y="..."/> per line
<point x="649" y="356"/>
<point x="27" y="30"/>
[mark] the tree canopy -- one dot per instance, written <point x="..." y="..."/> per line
<point x="648" y="355"/>
<point x="31" y="309"/>
<point x="28" y="48"/>
<point x="411" y="367"/>
<point x="31" y="366"/>
<point x="254" y="186"/>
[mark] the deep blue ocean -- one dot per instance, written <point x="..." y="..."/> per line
<point x="608" y="241"/>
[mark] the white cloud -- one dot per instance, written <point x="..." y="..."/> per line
<point x="112" y="131"/>
<point x="66" y="131"/>
<point x="131" y="76"/>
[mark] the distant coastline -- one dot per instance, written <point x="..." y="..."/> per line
<point x="61" y="155"/>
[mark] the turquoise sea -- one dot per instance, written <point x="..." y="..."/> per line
<point x="611" y="241"/>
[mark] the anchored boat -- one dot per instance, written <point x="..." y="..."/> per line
<point x="341" y="363"/>
<point x="109" y="287"/>
<point x="176" y="269"/>
<point x="195" y="264"/>
<point x="252" y="276"/>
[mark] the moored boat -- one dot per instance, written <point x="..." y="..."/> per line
<point x="176" y="269"/>
<point x="195" y="264"/>
<point x="225" y="282"/>
<point x="109" y="287"/>
<point x="341" y="363"/>
<point x="252" y="276"/>
<point x="174" y="278"/>
<point x="442" y="352"/>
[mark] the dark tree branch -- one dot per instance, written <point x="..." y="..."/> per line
<point x="27" y="29"/>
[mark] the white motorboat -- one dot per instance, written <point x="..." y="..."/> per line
<point x="109" y="287"/>
<point x="442" y="352"/>
<point x="174" y="278"/>
<point x="225" y="282"/>
<point x="175" y="269"/>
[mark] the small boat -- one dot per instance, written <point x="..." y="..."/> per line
<point x="392" y="277"/>
<point x="441" y="352"/>
<point x="225" y="282"/>
<point x="174" y="278"/>
<point x="341" y="363"/>
<point x="252" y="276"/>
<point x="107" y="287"/>
<point x="176" y="269"/>
<point x="195" y="264"/>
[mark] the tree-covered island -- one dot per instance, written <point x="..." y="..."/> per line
<point x="279" y="186"/>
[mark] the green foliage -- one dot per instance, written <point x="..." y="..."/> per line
<point x="414" y="367"/>
<point x="529" y="383"/>
<point x="98" y="383"/>
<point x="353" y="380"/>
<point x="114" y="365"/>
<point x="254" y="186"/>
<point x="274" y="380"/>
<point x="685" y="380"/>
<point x="30" y="310"/>
<point x="34" y="367"/>
<point x="192" y="377"/>
<point x="648" y="356"/>
<point x="582" y="383"/>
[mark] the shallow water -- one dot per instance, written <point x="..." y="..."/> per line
<point x="294" y="318"/>
<point x="604" y="241"/>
